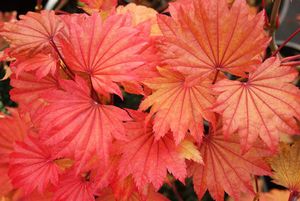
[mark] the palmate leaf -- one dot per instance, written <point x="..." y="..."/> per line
<point x="78" y="123"/>
<point x="107" y="50"/>
<point x="205" y="36"/>
<point x="180" y="103"/>
<point x="263" y="106"/>
<point x="32" y="33"/>
<point x="32" y="165"/>
<point x="148" y="159"/>
<point x="225" y="168"/>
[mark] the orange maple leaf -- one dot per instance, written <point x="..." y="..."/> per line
<point x="205" y="36"/>
<point x="263" y="106"/>
<point x="32" y="33"/>
<point x="225" y="168"/>
<point x="147" y="159"/>
<point x="179" y="103"/>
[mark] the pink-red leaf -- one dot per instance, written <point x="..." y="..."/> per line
<point x="32" y="165"/>
<point x="75" y="187"/>
<point x="107" y="50"/>
<point x="263" y="106"/>
<point x="79" y="123"/>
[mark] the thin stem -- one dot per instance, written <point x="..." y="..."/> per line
<point x="256" y="186"/>
<point x="293" y="196"/>
<point x="39" y="5"/>
<point x="291" y="58"/>
<point x="273" y="24"/>
<point x="286" y="41"/>
<point x="94" y="94"/>
<point x="173" y="186"/>
<point x="216" y="77"/>
<point x="66" y="69"/>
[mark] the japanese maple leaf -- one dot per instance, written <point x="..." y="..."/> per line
<point x="205" y="36"/>
<point x="81" y="124"/>
<point x="32" y="165"/>
<point x="180" y="103"/>
<point x="27" y="90"/>
<point x="75" y="187"/>
<point x="263" y="106"/>
<point x="286" y="166"/>
<point x="32" y="33"/>
<point x="42" y="63"/>
<point x="147" y="159"/>
<point x="107" y="50"/>
<point x="225" y="168"/>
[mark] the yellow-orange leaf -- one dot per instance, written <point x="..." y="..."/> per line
<point x="286" y="166"/>
<point x="188" y="150"/>
<point x="141" y="14"/>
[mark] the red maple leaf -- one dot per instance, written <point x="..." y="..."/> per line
<point x="75" y="187"/>
<point x="225" y="168"/>
<point x="107" y="50"/>
<point x="179" y="103"/>
<point x="32" y="165"/>
<point x="205" y="36"/>
<point x="32" y="33"/>
<point x="148" y="159"/>
<point x="263" y="106"/>
<point x="75" y="120"/>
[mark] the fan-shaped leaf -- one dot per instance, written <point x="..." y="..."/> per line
<point x="225" y="168"/>
<point x="148" y="159"/>
<point x="107" y="50"/>
<point x="180" y="103"/>
<point x="205" y="36"/>
<point x="32" y="165"/>
<point x="79" y="123"/>
<point x="32" y="33"/>
<point x="264" y="105"/>
<point x="75" y="187"/>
